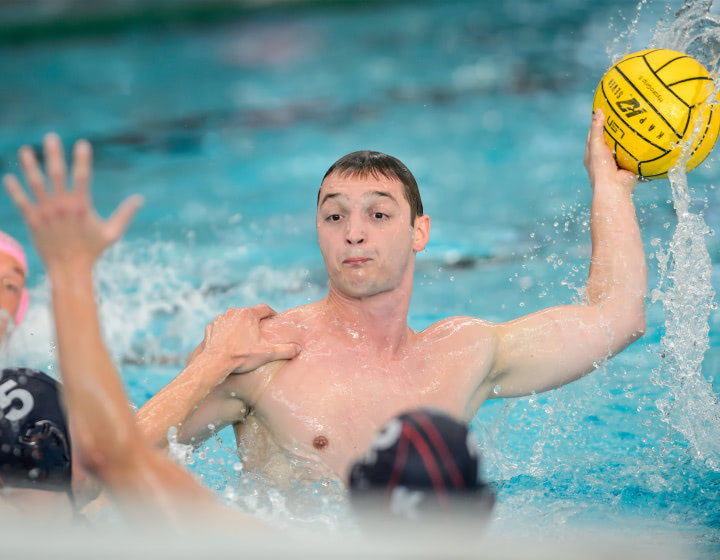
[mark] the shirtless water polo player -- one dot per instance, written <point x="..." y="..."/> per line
<point x="359" y="363"/>
<point x="310" y="386"/>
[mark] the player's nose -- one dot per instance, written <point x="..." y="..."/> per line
<point x="355" y="231"/>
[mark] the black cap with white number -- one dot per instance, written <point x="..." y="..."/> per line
<point x="34" y="439"/>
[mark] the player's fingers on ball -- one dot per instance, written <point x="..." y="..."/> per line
<point x="55" y="161"/>
<point x="587" y="147"/>
<point x="31" y="172"/>
<point x="586" y="158"/>
<point x="629" y="179"/>
<point x="598" y="146"/>
<point x="596" y="127"/>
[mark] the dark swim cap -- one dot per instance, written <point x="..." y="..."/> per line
<point x="420" y="462"/>
<point x="34" y="438"/>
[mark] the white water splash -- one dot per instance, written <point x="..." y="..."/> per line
<point x="694" y="31"/>
<point x="685" y="270"/>
<point x="686" y="294"/>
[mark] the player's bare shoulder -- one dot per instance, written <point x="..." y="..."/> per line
<point x="469" y="341"/>
<point x="461" y="330"/>
<point x="286" y="327"/>
<point x="293" y="325"/>
<point x="464" y="349"/>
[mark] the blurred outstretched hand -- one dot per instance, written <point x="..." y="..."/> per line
<point x="62" y="220"/>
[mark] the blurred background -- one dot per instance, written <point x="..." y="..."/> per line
<point x="225" y="116"/>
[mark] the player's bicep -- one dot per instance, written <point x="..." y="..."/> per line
<point x="548" y="349"/>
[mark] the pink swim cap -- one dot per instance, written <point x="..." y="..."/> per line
<point x="10" y="246"/>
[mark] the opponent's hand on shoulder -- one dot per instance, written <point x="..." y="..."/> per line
<point x="600" y="161"/>
<point x="63" y="222"/>
<point x="234" y="341"/>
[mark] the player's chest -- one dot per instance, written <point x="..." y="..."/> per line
<point x="336" y="378"/>
<point x="349" y="394"/>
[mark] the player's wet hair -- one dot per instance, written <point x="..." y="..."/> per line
<point x="366" y="163"/>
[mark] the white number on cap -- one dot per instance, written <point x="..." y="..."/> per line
<point x="8" y="395"/>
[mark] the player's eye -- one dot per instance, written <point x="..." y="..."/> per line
<point x="10" y="285"/>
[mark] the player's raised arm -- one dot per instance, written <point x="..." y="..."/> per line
<point x="69" y="237"/>
<point x="552" y="347"/>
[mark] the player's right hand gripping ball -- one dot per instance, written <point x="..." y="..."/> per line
<point x="654" y="101"/>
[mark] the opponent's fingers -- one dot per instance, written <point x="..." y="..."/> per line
<point x="284" y="351"/>
<point x="31" y="172"/>
<point x="263" y="311"/>
<point x="17" y="194"/>
<point x="269" y="353"/>
<point x="55" y="161"/>
<point x="82" y="167"/>
<point x="121" y="218"/>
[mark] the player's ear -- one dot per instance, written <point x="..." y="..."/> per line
<point x="421" y="232"/>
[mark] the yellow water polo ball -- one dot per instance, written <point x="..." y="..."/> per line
<point x="654" y="101"/>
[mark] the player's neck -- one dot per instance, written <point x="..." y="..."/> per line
<point x="379" y="321"/>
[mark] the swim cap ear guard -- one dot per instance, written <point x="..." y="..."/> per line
<point x="35" y="449"/>
<point x="22" y="308"/>
<point x="421" y="464"/>
<point x="42" y="454"/>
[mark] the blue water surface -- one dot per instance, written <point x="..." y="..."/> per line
<point x="227" y="129"/>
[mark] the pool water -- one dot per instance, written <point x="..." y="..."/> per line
<point x="227" y="129"/>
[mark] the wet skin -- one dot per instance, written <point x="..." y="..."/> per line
<point x="342" y="388"/>
<point x="360" y="363"/>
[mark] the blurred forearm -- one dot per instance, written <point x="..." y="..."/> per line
<point x="99" y="412"/>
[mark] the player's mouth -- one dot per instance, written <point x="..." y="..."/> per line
<point x="356" y="261"/>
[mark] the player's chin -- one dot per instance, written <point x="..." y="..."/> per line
<point x="359" y="288"/>
<point x="358" y="291"/>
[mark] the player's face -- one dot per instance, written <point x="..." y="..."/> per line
<point x="12" y="282"/>
<point x="365" y="234"/>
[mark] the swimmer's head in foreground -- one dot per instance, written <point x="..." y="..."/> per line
<point x="13" y="275"/>
<point x="34" y="440"/>
<point x="423" y="466"/>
